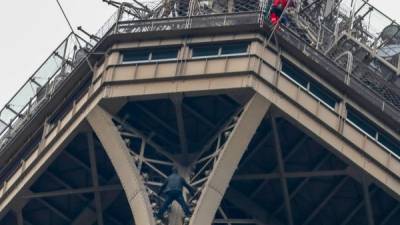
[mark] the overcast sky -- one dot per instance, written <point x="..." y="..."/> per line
<point x="31" y="29"/>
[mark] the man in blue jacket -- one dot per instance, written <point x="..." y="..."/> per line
<point x="172" y="190"/>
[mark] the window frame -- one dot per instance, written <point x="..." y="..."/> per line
<point x="220" y="49"/>
<point x="308" y="80"/>
<point x="150" y="54"/>
<point x="379" y="133"/>
<point x="130" y="61"/>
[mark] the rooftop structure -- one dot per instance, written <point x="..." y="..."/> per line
<point x="290" y="124"/>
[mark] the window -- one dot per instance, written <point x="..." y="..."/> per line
<point x="389" y="143"/>
<point x="361" y="122"/>
<point x="323" y="95"/>
<point x="150" y="54"/>
<point x="202" y="51"/>
<point x="303" y="80"/>
<point x="166" y="53"/>
<point x="236" y="48"/>
<point x="220" y="49"/>
<point x="373" y="131"/>
<point x="295" y="74"/>
<point x="137" y="55"/>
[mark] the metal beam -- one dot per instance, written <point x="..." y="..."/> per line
<point x="303" y="183"/>
<point x="355" y="209"/>
<point x="20" y="217"/>
<point x="367" y="200"/>
<point x="156" y="147"/>
<point x="81" y="163"/>
<point x="95" y="178"/>
<point x="281" y="169"/>
<point x="390" y="215"/>
<point x="88" y="214"/>
<point x="294" y="149"/>
<point x="236" y="221"/>
<point x="223" y="214"/>
<point x="228" y="160"/>
<point x="177" y="100"/>
<point x="157" y="119"/>
<point x="214" y="137"/>
<point x="307" y="174"/>
<point x="78" y="191"/>
<point x="325" y="201"/>
<point x="61" y="182"/>
<point x="245" y="204"/>
<point x="256" y="149"/>
<point x="55" y="210"/>
<point x="198" y="115"/>
<point x="118" y="152"/>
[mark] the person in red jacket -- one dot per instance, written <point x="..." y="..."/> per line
<point x="276" y="11"/>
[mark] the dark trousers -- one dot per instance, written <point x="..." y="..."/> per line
<point x="169" y="198"/>
<point x="279" y="13"/>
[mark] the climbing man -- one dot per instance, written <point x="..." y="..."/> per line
<point x="172" y="190"/>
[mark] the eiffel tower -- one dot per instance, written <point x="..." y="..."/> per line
<point x="293" y="124"/>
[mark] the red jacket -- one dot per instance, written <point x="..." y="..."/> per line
<point x="282" y="2"/>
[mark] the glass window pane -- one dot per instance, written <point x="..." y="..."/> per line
<point x="235" y="48"/>
<point x="323" y="94"/>
<point x="296" y="74"/>
<point x="25" y="94"/>
<point x="361" y="122"/>
<point x="208" y="50"/>
<point x="48" y="70"/>
<point x="137" y="55"/>
<point x="7" y="115"/>
<point x="3" y="126"/>
<point x="164" y="53"/>
<point x="390" y="143"/>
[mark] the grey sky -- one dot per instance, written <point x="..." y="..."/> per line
<point x="30" y="30"/>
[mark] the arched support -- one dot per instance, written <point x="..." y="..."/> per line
<point x="118" y="152"/>
<point x="228" y="160"/>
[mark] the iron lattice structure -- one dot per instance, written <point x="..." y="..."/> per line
<point x="92" y="135"/>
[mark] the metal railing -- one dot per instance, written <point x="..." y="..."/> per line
<point x="38" y="88"/>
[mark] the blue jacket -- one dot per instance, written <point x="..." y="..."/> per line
<point x="175" y="183"/>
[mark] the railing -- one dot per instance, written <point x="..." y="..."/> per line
<point x="39" y="87"/>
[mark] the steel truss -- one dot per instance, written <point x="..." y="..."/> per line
<point x="153" y="163"/>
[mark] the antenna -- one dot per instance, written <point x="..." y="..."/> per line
<point x="69" y="23"/>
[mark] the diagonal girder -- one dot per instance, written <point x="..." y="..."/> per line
<point x="250" y="207"/>
<point x="325" y="201"/>
<point x="299" y="187"/>
<point x="95" y="178"/>
<point x="294" y="149"/>
<point x="177" y="100"/>
<point x="228" y="160"/>
<point x="124" y="165"/>
<point x="88" y="215"/>
<point x="356" y="209"/>
<point x="390" y="215"/>
<point x="281" y="169"/>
